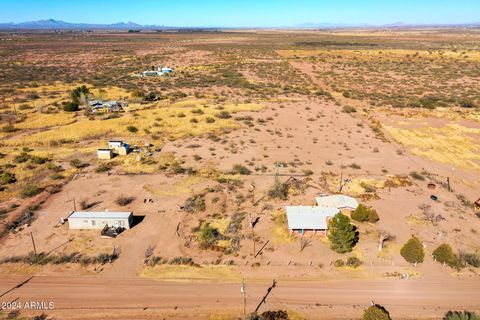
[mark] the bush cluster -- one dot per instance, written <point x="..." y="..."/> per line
<point x="363" y="213"/>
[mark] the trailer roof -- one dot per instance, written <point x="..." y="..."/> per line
<point x="303" y="217"/>
<point x="100" y="215"/>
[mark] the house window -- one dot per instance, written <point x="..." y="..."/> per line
<point x="122" y="223"/>
<point x="93" y="223"/>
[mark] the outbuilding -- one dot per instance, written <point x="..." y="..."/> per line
<point x="119" y="147"/>
<point x="338" y="201"/>
<point x="305" y="219"/>
<point x="98" y="220"/>
<point x="105" y="154"/>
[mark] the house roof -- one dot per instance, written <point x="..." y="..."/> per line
<point x="338" y="201"/>
<point x="99" y="215"/>
<point x="302" y="217"/>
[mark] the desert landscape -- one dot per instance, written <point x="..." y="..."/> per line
<point x="243" y="124"/>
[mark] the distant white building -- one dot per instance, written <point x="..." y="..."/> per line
<point x="306" y="219"/>
<point x="337" y="201"/>
<point x="98" y="220"/>
<point x="159" y="72"/>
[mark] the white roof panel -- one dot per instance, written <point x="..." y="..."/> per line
<point x="302" y="217"/>
<point x="338" y="201"/>
<point x="99" y="215"/>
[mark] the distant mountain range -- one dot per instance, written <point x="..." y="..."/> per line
<point x="52" y="24"/>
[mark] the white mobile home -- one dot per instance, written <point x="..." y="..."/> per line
<point x="303" y="219"/>
<point x="98" y="220"/>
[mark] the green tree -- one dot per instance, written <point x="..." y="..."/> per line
<point x="342" y="234"/>
<point x="80" y="95"/>
<point x="376" y="312"/>
<point x="360" y="214"/>
<point x="443" y="253"/>
<point x="412" y="251"/>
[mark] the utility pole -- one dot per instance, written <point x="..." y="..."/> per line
<point x="243" y="290"/>
<point x="74" y="205"/>
<point x="448" y="184"/>
<point x="274" y="284"/>
<point x="252" y="226"/>
<point x="341" y="182"/>
<point x="33" y="243"/>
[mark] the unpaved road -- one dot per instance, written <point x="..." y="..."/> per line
<point x="87" y="297"/>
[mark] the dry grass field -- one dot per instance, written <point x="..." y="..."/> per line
<point x="381" y="113"/>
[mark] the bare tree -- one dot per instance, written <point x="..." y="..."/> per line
<point x="304" y="243"/>
<point x="148" y="252"/>
<point x="384" y="236"/>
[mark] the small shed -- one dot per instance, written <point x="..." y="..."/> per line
<point x="305" y="219"/>
<point x="338" y="201"/>
<point x="119" y="147"/>
<point x="105" y="154"/>
<point x="98" y="220"/>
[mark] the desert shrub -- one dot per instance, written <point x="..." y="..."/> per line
<point x="7" y="178"/>
<point x="239" y="169"/>
<point x="373" y="216"/>
<point x="76" y="163"/>
<point x="339" y="263"/>
<point x="308" y="172"/>
<point x="278" y="191"/>
<point x="210" y="120"/>
<point x="223" y="115"/>
<point x="360" y="214"/>
<point x="363" y="213"/>
<point x="417" y="176"/>
<point x="103" y="168"/>
<point x="349" y="109"/>
<point x="466" y="103"/>
<point x="182" y="261"/>
<point x="472" y="259"/>
<point x="353" y="262"/>
<point x="38" y="159"/>
<point x="342" y="234"/>
<point x="208" y="236"/>
<point x="132" y="129"/>
<point x="459" y="315"/>
<point x="376" y="312"/>
<point x="57" y="176"/>
<point x="71" y="107"/>
<point x="30" y="190"/>
<point x="123" y="200"/>
<point x="9" y="128"/>
<point x="21" y="158"/>
<point x="413" y="251"/>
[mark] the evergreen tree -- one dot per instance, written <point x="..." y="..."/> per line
<point x="376" y="313"/>
<point x="342" y="234"/>
<point x="412" y="251"/>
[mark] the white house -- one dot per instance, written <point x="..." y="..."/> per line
<point x="303" y="219"/>
<point x="98" y="220"/>
<point x="337" y="201"/>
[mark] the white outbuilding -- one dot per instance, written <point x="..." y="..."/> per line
<point x="338" y="201"/>
<point x="98" y="220"/>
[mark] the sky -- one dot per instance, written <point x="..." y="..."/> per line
<point x="243" y="13"/>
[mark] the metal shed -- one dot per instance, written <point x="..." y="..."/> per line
<point x="303" y="219"/>
<point x="338" y="201"/>
<point x="98" y="220"/>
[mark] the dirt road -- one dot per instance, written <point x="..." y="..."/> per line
<point x="88" y="297"/>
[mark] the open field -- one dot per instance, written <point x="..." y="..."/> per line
<point x="391" y="118"/>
